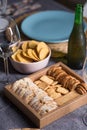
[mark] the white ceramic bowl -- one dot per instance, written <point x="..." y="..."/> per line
<point x="27" y="68"/>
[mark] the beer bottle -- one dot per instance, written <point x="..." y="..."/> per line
<point x="77" y="41"/>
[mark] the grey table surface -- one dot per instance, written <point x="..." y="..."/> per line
<point x="10" y="115"/>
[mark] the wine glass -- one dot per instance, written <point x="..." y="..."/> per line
<point x="9" y="41"/>
<point x="84" y="74"/>
<point x="3" y="5"/>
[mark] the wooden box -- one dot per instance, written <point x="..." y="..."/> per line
<point x="67" y="107"/>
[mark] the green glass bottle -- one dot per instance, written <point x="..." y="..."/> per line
<point x="77" y="41"/>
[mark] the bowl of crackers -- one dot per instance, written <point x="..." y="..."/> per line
<point x="31" y="56"/>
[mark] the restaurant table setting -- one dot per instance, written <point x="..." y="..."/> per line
<point x="49" y="23"/>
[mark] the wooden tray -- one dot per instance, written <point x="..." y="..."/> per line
<point x="41" y="121"/>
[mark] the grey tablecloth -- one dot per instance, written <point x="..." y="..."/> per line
<point x="10" y="116"/>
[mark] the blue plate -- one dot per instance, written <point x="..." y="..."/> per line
<point x="49" y="26"/>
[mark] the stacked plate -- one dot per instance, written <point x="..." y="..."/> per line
<point x="52" y="27"/>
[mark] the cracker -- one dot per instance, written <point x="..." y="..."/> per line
<point x="58" y="85"/>
<point x="54" y="83"/>
<point x="43" y="53"/>
<point x="81" y="88"/>
<point x="25" y="54"/>
<point x="32" y="55"/>
<point x="22" y="92"/>
<point x="40" y="93"/>
<point x="46" y="100"/>
<point x="55" y="95"/>
<point x="62" y="90"/>
<point x="56" y="72"/>
<point x="46" y="79"/>
<point x="50" y="91"/>
<point x="24" y="45"/>
<point x="14" y="49"/>
<point x="33" y="101"/>
<point x="14" y="56"/>
<point x="74" y="85"/>
<point x="33" y="44"/>
<point x="27" y="97"/>
<point x="22" y="58"/>
<point x="50" y="70"/>
<point x="84" y="85"/>
<point x="17" y="84"/>
<point x="47" y="108"/>
<point x="35" y="55"/>
<point x="40" y="46"/>
<point x="60" y="76"/>
<point x="37" y="82"/>
<point x="66" y="81"/>
<point x="42" y="85"/>
<point x="37" y="106"/>
<point x="47" y="87"/>
<point x="51" y="77"/>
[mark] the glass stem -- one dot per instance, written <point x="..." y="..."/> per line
<point x="6" y="68"/>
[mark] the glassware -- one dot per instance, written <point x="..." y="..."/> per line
<point x="85" y="71"/>
<point x="85" y="9"/>
<point x="84" y="74"/>
<point x="9" y="41"/>
<point x="3" y="5"/>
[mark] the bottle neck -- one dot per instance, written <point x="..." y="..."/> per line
<point x="79" y="14"/>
